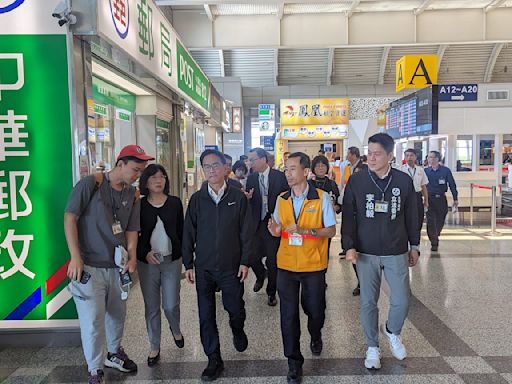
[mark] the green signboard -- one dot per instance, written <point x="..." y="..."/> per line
<point x="162" y="123"/>
<point x="191" y="79"/>
<point x="35" y="177"/>
<point x="105" y="93"/>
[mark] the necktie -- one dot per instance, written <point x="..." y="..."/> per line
<point x="264" y="197"/>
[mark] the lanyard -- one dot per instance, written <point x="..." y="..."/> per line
<point x="380" y="189"/>
<point x="115" y="207"/>
<point x="321" y="183"/>
<point x="413" y="174"/>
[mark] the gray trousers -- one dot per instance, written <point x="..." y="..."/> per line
<point x="101" y="312"/>
<point x="396" y="272"/>
<point x="160" y="286"/>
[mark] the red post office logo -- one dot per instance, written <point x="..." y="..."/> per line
<point x="120" y="16"/>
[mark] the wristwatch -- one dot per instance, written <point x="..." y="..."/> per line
<point x="313" y="232"/>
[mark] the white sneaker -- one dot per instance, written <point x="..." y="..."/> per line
<point x="372" y="360"/>
<point x="395" y="344"/>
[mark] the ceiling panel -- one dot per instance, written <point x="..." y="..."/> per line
<point x="303" y="66"/>
<point x="502" y="72"/>
<point x="255" y="67"/>
<point x="244" y="9"/>
<point x="388" y="5"/>
<point x="397" y="52"/>
<point x="338" y="7"/>
<point x="457" y="4"/>
<point x="465" y="63"/>
<point x="209" y="61"/>
<point x="356" y="65"/>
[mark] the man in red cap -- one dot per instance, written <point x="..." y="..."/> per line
<point x="101" y="223"/>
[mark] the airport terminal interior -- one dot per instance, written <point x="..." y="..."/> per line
<point x="83" y="80"/>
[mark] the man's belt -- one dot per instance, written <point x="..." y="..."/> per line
<point x="436" y="195"/>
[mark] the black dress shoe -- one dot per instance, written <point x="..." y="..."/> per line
<point x="316" y="346"/>
<point x="272" y="301"/>
<point x="213" y="369"/>
<point x="258" y="285"/>
<point x="180" y="343"/>
<point x="294" y="376"/>
<point x="434" y="248"/>
<point x="240" y="340"/>
<point x="153" y="360"/>
<point x="356" y="291"/>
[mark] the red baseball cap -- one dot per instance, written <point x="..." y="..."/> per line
<point x="134" y="151"/>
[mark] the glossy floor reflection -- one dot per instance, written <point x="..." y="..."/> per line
<point x="458" y="330"/>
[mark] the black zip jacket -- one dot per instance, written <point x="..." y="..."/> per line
<point x="220" y="235"/>
<point x="171" y="214"/>
<point x="377" y="233"/>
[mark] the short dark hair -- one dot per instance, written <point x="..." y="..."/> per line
<point x="243" y="157"/>
<point x="437" y="154"/>
<point x="126" y="159"/>
<point x="260" y="152"/>
<point x="384" y="140"/>
<point x="321" y="151"/>
<point x="305" y="162"/>
<point x="354" y="151"/>
<point x="317" y="160"/>
<point x="228" y="157"/>
<point x="239" y="164"/>
<point x="411" y="150"/>
<point x="152" y="169"/>
<point x="287" y="153"/>
<point x="212" y="152"/>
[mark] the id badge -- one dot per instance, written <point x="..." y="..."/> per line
<point x="442" y="181"/>
<point x="116" y="228"/>
<point x="295" y="239"/>
<point x="381" y="206"/>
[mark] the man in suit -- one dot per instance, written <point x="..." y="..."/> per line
<point x="263" y="188"/>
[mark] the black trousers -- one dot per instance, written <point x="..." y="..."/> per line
<point x="421" y="210"/>
<point x="436" y="215"/>
<point x="266" y="246"/>
<point x="310" y="286"/>
<point x="232" y="299"/>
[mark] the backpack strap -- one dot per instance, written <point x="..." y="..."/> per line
<point x="98" y="176"/>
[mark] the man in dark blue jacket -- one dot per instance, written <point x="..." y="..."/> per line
<point x="439" y="179"/>
<point x="218" y="230"/>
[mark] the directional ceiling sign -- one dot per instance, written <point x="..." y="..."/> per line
<point x="458" y="92"/>
<point x="418" y="71"/>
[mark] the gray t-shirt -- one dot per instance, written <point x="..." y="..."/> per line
<point x="93" y="207"/>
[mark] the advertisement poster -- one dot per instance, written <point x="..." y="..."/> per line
<point x="35" y="165"/>
<point x="314" y="112"/>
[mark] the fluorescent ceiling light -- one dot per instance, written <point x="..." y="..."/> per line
<point x="119" y="81"/>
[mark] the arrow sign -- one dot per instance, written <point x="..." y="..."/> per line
<point x="459" y="97"/>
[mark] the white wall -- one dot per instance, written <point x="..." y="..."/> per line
<point x="477" y="117"/>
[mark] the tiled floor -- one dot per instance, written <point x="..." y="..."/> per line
<point x="458" y="330"/>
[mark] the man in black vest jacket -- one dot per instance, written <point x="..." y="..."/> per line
<point x="218" y="230"/>
<point x="263" y="188"/>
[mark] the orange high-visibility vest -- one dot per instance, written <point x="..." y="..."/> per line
<point x="312" y="255"/>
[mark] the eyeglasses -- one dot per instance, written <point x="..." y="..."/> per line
<point x="212" y="167"/>
<point x="158" y="177"/>
<point x="254" y="159"/>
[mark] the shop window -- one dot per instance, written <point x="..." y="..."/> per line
<point x="163" y="146"/>
<point x="486" y="152"/>
<point x="464" y="153"/>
